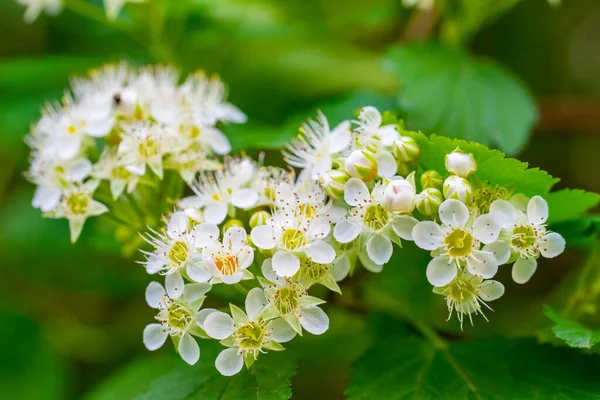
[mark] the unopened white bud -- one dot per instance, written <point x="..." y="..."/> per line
<point x="333" y="183"/>
<point x="362" y="165"/>
<point x="457" y="188"/>
<point x="460" y="163"/>
<point x="399" y="196"/>
<point x="406" y="149"/>
<point x="259" y="218"/>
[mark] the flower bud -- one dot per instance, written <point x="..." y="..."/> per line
<point x="457" y="188"/>
<point x="406" y="149"/>
<point x="232" y="223"/>
<point x="399" y="196"/>
<point x="259" y="218"/>
<point x="428" y="201"/>
<point x="461" y="164"/>
<point x="333" y="183"/>
<point x="432" y="179"/>
<point x="362" y="165"/>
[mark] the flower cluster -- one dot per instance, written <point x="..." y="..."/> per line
<point x="125" y="127"/>
<point x="355" y="198"/>
<point x="53" y="7"/>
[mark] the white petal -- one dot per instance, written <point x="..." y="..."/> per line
<point x="427" y="235"/>
<point x="194" y="291"/>
<point x="282" y="331"/>
<point x="154" y="264"/>
<point x="255" y="302"/>
<point x="491" y="290"/>
<point x="341" y="268"/>
<point x="486" y="228"/>
<point x="441" y="271"/>
<point x="388" y="134"/>
<point x="178" y="224"/>
<point x="500" y="249"/>
<point x="174" y="284"/>
<point x="245" y="256"/>
<point x="314" y="320"/>
<point x="482" y="264"/>
<point x="524" y="269"/>
<point x="552" y="245"/>
<point x="217" y="141"/>
<point x="154" y="294"/>
<point x="235" y="237"/>
<point x="285" y="264"/>
<point x="386" y="164"/>
<point x="340" y="137"/>
<point x="188" y="349"/>
<point x="454" y="213"/>
<point x="80" y="169"/>
<point x="154" y="336"/>
<point x="321" y="252"/>
<point x="346" y="231"/>
<point x="262" y="237"/>
<point x="244" y="198"/>
<point x="198" y="273"/>
<point x="355" y="192"/>
<point x="537" y="210"/>
<point x="229" y="362"/>
<point x="267" y="271"/>
<point x="368" y="263"/>
<point x="46" y="198"/>
<point x="215" y="213"/>
<point x="231" y="279"/>
<point x="204" y="234"/>
<point x="370" y="116"/>
<point x="403" y="225"/>
<point x="504" y="212"/>
<point x="201" y="316"/>
<point x="218" y="325"/>
<point x="379" y="249"/>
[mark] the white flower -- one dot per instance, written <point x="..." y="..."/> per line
<point x="110" y="169"/>
<point x="35" y="8"/>
<point x="177" y="250"/>
<point x="190" y="161"/>
<point x="113" y="7"/>
<point x="369" y="124"/>
<point x="466" y="293"/>
<point x="294" y="235"/>
<point x="228" y="261"/>
<point x="246" y="334"/>
<point x="177" y="317"/>
<point x="456" y="242"/>
<point x="379" y="227"/>
<point x="524" y="235"/>
<point x="53" y="176"/>
<point x="461" y="164"/>
<point x="313" y="149"/>
<point x="399" y="195"/>
<point x="289" y="300"/>
<point x="267" y="181"/>
<point x="77" y="205"/>
<point x="217" y="192"/>
<point x="144" y="144"/>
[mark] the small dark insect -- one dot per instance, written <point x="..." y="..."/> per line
<point x="117" y="98"/>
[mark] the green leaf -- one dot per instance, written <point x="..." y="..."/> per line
<point x="572" y="332"/>
<point x="400" y="366"/>
<point x="166" y="379"/>
<point x="568" y="204"/>
<point x="448" y="92"/>
<point x="492" y="165"/>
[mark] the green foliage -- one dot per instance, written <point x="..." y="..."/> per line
<point x="402" y="366"/>
<point x="492" y="165"/>
<point x="169" y="379"/>
<point x="573" y="333"/>
<point x="448" y="92"/>
<point x="570" y="203"/>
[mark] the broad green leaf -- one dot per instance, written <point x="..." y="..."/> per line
<point x="400" y="366"/>
<point x="446" y="91"/>
<point x="570" y="203"/>
<point x="572" y="332"/>
<point x="165" y="379"/>
<point x="492" y="165"/>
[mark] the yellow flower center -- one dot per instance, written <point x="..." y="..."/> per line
<point x="227" y="265"/>
<point x="459" y="243"/>
<point x="180" y="316"/>
<point x="293" y="239"/>
<point x="376" y="217"/>
<point x="250" y="336"/>
<point x="523" y="237"/>
<point x="78" y="203"/>
<point x="178" y="253"/>
<point x="287" y="298"/>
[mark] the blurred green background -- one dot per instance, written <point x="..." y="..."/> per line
<point x="71" y="315"/>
